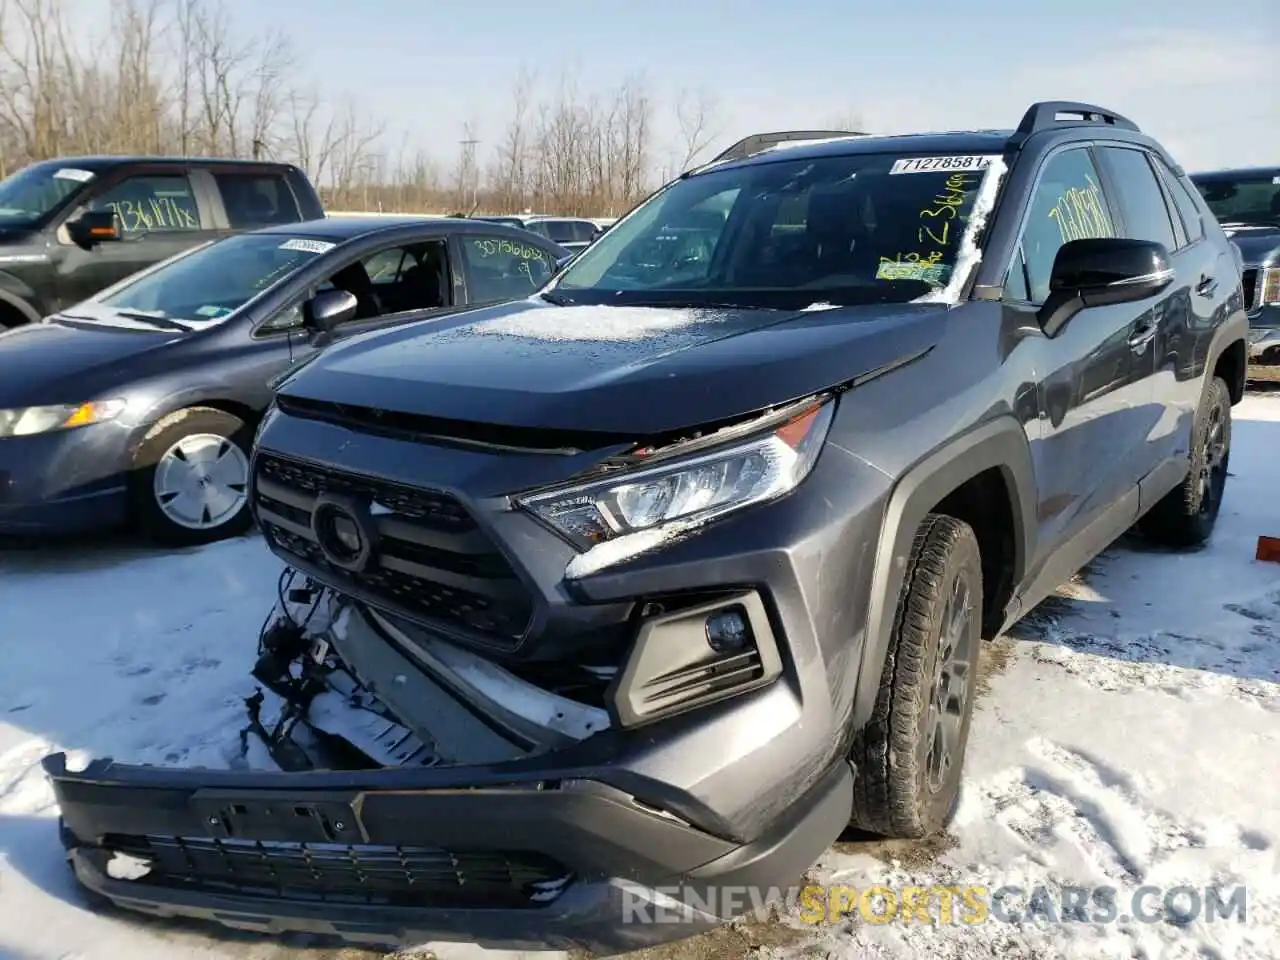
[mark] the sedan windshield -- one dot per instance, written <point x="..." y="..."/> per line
<point x="34" y="191"/>
<point x="216" y="280"/>
<point x="1251" y="200"/>
<point x="862" y="228"/>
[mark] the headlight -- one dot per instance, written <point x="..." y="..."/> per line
<point x="28" y="420"/>
<point x="691" y="490"/>
<point x="1269" y="286"/>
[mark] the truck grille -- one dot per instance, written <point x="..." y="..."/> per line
<point x="432" y="563"/>
<point x="377" y="875"/>
<point x="1249" y="280"/>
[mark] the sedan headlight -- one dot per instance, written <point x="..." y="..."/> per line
<point x="30" y="420"/>
<point x="690" y="490"/>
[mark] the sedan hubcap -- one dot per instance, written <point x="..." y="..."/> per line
<point x="951" y="680"/>
<point x="201" y="481"/>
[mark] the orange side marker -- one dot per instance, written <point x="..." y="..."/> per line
<point x="1269" y="549"/>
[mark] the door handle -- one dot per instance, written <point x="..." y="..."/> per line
<point x="1142" y="336"/>
<point x="1206" y="286"/>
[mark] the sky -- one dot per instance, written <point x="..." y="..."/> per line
<point x="1202" y="77"/>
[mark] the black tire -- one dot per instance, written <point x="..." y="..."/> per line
<point x="900" y="791"/>
<point x="168" y="432"/>
<point x="1185" y="517"/>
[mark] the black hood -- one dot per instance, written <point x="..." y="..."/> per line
<point x="625" y="371"/>
<point x="1259" y="246"/>
<point x="46" y="363"/>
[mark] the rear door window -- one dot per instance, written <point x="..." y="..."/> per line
<point x="256" y="200"/>
<point x="1146" y="215"/>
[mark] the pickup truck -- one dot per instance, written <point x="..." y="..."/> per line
<point x="70" y="227"/>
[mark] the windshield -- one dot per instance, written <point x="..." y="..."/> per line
<point x="214" y="281"/>
<point x="34" y="191"/>
<point x="1246" y="200"/>
<point x="864" y="228"/>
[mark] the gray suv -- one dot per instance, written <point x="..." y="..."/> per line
<point x="660" y="579"/>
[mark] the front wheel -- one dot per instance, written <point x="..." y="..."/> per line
<point x="191" y="478"/>
<point x="1186" y="516"/>
<point x="909" y="757"/>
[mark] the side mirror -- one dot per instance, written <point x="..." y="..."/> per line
<point x="94" y="227"/>
<point x="1101" y="271"/>
<point x="327" y="309"/>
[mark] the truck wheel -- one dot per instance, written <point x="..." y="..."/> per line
<point x="191" y="478"/>
<point x="909" y="757"/>
<point x="1186" y="516"/>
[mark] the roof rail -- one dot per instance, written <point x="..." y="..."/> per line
<point x="1045" y="116"/>
<point x="760" y="142"/>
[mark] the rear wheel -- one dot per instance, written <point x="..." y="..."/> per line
<point x="191" y="478"/>
<point x="910" y="755"/>
<point x="1186" y="516"/>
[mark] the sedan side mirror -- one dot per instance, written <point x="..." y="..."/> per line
<point x="94" y="227"/>
<point x="327" y="309"/>
<point x="1101" y="271"/>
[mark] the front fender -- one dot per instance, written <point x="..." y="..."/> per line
<point x="1000" y="444"/>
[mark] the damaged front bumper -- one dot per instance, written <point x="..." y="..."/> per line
<point x="511" y="819"/>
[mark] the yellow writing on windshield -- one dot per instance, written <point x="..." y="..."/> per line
<point x="933" y="234"/>
<point x="1080" y="213"/>
<point x="154" y="213"/>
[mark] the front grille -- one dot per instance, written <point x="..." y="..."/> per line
<point x="340" y="873"/>
<point x="432" y="564"/>
<point x="1249" y="280"/>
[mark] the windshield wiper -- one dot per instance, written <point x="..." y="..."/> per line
<point x="164" y="323"/>
<point x="556" y="299"/>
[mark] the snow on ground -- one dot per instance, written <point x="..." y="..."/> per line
<point x="1129" y="739"/>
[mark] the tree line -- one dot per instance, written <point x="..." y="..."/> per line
<point x="180" y="77"/>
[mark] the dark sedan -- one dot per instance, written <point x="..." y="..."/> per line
<point x="140" y="404"/>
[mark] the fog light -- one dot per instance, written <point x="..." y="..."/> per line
<point x="728" y="632"/>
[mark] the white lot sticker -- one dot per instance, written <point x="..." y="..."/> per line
<point x="1275" y="180"/>
<point x="71" y="173"/>
<point x="941" y="164"/>
<point x="308" y="246"/>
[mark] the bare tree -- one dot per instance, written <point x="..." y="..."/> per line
<point x="184" y="77"/>
<point x="696" y="114"/>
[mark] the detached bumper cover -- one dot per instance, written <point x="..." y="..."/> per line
<point x="404" y="856"/>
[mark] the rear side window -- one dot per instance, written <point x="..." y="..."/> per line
<point x="584" y="231"/>
<point x="1138" y="193"/>
<point x="1184" y="201"/>
<point x="256" y="200"/>
<point x="155" y="203"/>
<point x="561" y="231"/>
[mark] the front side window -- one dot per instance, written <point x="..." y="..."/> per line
<point x="1068" y="204"/>
<point x="210" y="283"/>
<point x="864" y="228"/>
<point x="1243" y="200"/>
<point x="37" y="190"/>
<point x="499" y="268"/>
<point x="151" y="204"/>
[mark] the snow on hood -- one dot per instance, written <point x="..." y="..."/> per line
<point x="594" y="324"/>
